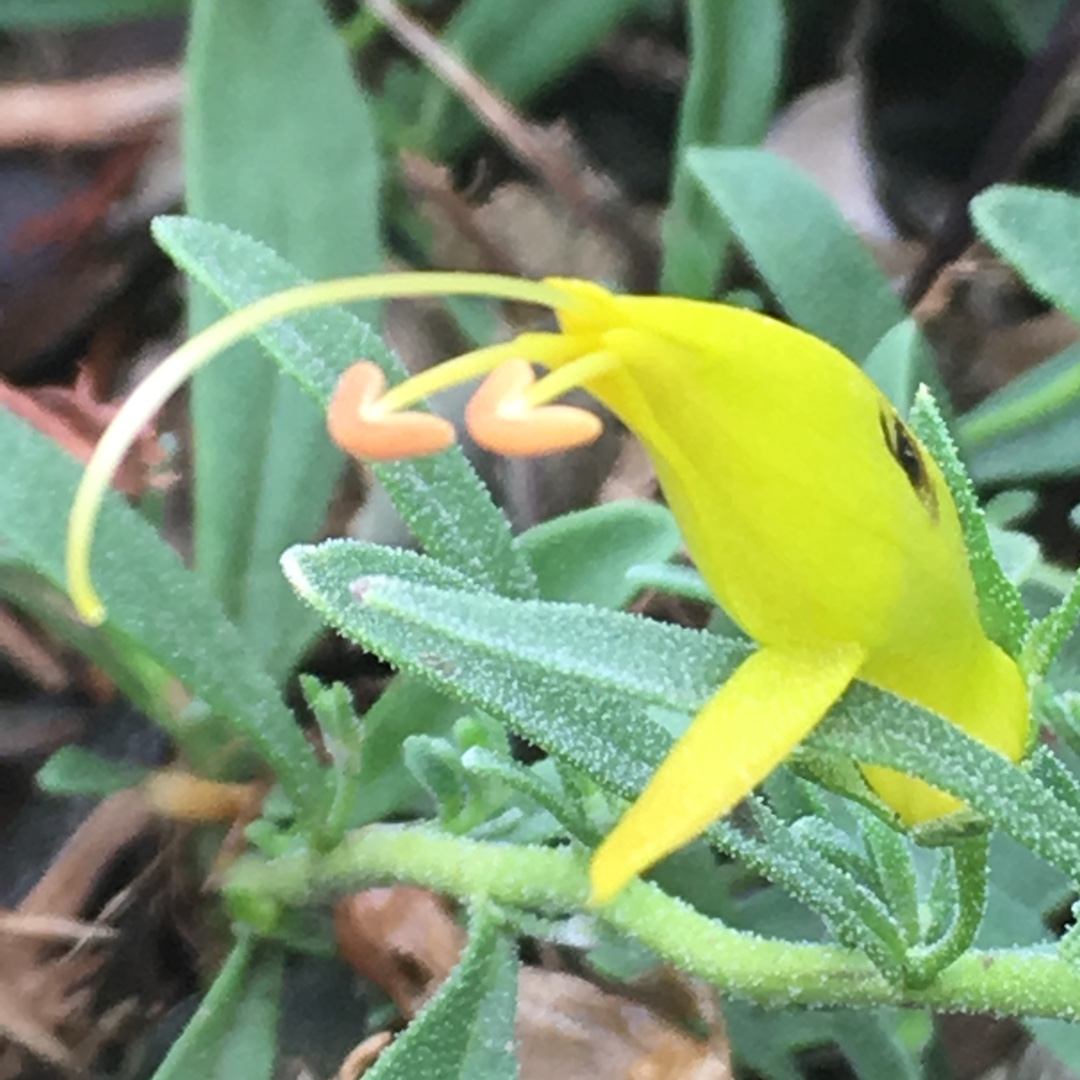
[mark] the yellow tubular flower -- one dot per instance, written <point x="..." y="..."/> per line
<point x="822" y="526"/>
<point x="820" y="523"/>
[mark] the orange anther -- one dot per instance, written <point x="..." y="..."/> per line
<point x="500" y="418"/>
<point x="361" y="428"/>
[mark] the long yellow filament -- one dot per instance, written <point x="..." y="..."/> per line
<point x="155" y="390"/>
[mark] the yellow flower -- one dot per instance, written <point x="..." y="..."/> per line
<point x="821" y="524"/>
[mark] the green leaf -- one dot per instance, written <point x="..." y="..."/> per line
<point x="818" y="268"/>
<point x="1032" y="229"/>
<point x="586" y="557"/>
<point x="144" y="681"/>
<point x="75" y="771"/>
<point x="891" y="855"/>
<point x="966" y="864"/>
<point x="1048" y="447"/>
<point x="873" y="1046"/>
<point x="437" y="766"/>
<point x="475" y="644"/>
<point x="677" y="580"/>
<point x="443" y="501"/>
<point x="1029" y="427"/>
<point x="1028" y="400"/>
<point x="466" y="1031"/>
<point x="1001" y="610"/>
<point x="1028" y="22"/>
<point x="38" y="14"/>
<point x="342" y="736"/>
<point x="406" y="707"/>
<point x="518" y="47"/>
<point x="899" y="362"/>
<point x="768" y="1041"/>
<point x="153" y="602"/>
<point x="526" y="781"/>
<point x="233" y="1034"/>
<point x="1048" y="635"/>
<point x="833" y="887"/>
<point x="736" y="55"/>
<point x="585" y="685"/>
<point x="279" y="143"/>
<point x="878" y="729"/>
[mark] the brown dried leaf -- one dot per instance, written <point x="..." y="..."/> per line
<point x="51" y="928"/>
<point x="364" y="1056"/>
<point x="45" y="997"/>
<point x="27" y="653"/>
<point x="90" y="112"/>
<point x="73" y="418"/>
<point x="568" y="1028"/>
<point x="984" y="326"/>
<point x="404" y="939"/>
<point x="401" y="938"/>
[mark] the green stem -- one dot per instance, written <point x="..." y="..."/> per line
<point x="1010" y="982"/>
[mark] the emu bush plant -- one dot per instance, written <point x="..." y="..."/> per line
<point x="483" y="630"/>
<point x="920" y="883"/>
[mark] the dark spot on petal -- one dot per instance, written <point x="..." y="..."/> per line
<point x="907" y="453"/>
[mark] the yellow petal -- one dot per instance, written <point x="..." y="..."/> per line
<point x="748" y="728"/>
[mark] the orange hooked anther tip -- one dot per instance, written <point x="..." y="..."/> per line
<point x="500" y="418"/>
<point x="359" y="425"/>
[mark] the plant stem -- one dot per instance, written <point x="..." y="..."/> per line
<point x="769" y="971"/>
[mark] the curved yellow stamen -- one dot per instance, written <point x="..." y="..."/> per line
<point x="510" y="414"/>
<point x="570" y="377"/>
<point x="541" y="348"/>
<point x="500" y="418"/>
<point x="370" y="422"/>
<point x="360" y="425"/>
<point x="155" y="390"/>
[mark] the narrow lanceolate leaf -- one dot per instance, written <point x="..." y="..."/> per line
<point x="1050" y="634"/>
<point x="891" y="854"/>
<point x="736" y="57"/>
<point x="966" y="863"/>
<point x="233" y="1034"/>
<point x="587" y="557"/>
<point x="1033" y="230"/>
<point x="278" y="142"/>
<point x="151" y="600"/>
<point x="899" y="362"/>
<point x="466" y="1031"/>
<point x="790" y="229"/>
<point x="1040" y="395"/>
<point x="443" y="501"/>
<point x="585" y="684"/>
<point x="871" y="727"/>
<point x="849" y="908"/>
<point x="65" y="14"/>
<point x="75" y="771"/>
<point x="1001" y="610"/>
<point x="361" y="587"/>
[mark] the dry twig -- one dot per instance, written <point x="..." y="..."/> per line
<point x="530" y="145"/>
<point x="90" y="112"/>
